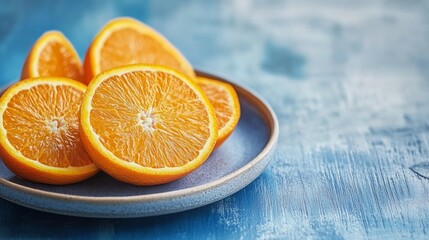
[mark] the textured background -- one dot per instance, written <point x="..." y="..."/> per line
<point x="349" y="81"/>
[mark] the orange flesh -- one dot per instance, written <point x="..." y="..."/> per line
<point x="127" y="46"/>
<point x="144" y="120"/>
<point x="221" y="102"/>
<point x="45" y="133"/>
<point x="57" y="60"/>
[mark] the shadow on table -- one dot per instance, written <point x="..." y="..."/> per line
<point x="28" y="223"/>
<point x="223" y="217"/>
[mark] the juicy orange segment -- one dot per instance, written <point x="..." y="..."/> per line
<point x="125" y="41"/>
<point x="147" y="125"/>
<point x="52" y="55"/>
<point x="39" y="136"/>
<point x="226" y="105"/>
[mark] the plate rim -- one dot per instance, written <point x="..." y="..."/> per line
<point x="269" y="117"/>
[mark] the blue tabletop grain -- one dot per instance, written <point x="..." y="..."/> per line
<point x="349" y="81"/>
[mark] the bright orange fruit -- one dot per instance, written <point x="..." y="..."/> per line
<point x="39" y="136"/>
<point x="125" y="41"/>
<point x="226" y="105"/>
<point x="52" y="55"/>
<point x="147" y="125"/>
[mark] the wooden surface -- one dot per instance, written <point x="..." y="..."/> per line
<point x="349" y="81"/>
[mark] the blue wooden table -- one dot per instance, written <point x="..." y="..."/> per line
<point x="349" y="81"/>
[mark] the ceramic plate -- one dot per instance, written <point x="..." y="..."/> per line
<point x="231" y="167"/>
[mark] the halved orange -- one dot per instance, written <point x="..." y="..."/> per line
<point x="125" y="41"/>
<point x="52" y="55"/>
<point x="226" y="105"/>
<point x="147" y="125"/>
<point x="39" y="136"/>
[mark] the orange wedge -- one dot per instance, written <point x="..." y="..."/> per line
<point x="147" y="125"/>
<point x="52" y="55"/>
<point x="39" y="136"/>
<point x="226" y="105"/>
<point x="125" y="41"/>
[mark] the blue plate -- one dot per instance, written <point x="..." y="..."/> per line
<point x="231" y="167"/>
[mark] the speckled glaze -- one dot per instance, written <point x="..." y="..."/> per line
<point x="239" y="161"/>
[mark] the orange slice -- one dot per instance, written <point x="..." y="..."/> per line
<point x="39" y="136"/>
<point x="147" y="125"/>
<point x="52" y="55"/>
<point x="226" y="105"/>
<point x="125" y="41"/>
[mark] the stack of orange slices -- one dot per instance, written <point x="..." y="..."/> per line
<point x="134" y="109"/>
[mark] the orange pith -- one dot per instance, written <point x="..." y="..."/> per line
<point x="125" y="41"/>
<point x="39" y="136"/>
<point x="52" y="55"/>
<point x="226" y="105"/>
<point x="147" y="125"/>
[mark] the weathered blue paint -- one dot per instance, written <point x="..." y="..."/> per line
<point x="353" y="111"/>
